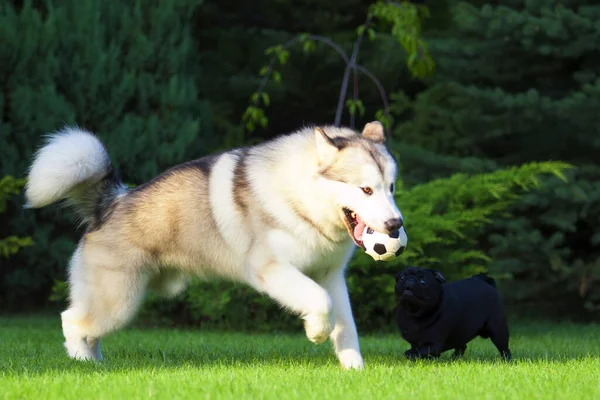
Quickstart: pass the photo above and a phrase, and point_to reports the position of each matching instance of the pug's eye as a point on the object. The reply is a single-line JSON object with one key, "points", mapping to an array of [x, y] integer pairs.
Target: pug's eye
{"points": [[423, 283]]}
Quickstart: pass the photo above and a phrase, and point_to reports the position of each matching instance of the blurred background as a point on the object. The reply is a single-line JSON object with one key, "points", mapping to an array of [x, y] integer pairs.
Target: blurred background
{"points": [[492, 109]]}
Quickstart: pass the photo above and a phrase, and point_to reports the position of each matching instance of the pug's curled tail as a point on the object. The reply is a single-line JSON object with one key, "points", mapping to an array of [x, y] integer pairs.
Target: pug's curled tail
{"points": [[487, 279]]}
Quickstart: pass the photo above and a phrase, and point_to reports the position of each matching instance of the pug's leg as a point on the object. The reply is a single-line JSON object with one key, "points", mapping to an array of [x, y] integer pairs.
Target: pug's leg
{"points": [[459, 351], [498, 329], [424, 351], [411, 353], [431, 351]]}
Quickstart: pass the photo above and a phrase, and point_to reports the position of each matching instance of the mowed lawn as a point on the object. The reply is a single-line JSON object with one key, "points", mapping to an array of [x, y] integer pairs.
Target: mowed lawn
{"points": [[551, 361]]}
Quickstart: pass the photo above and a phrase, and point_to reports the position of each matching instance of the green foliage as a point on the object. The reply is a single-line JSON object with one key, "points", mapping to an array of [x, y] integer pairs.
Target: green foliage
{"points": [[450, 210], [504, 90], [125, 70], [355, 106], [403, 20], [515, 82], [222, 304], [12, 244], [406, 20], [164, 82], [558, 251], [9, 186], [60, 291]]}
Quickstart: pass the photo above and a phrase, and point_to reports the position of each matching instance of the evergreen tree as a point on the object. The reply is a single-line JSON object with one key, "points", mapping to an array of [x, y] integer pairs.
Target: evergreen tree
{"points": [[518, 81], [125, 70], [11, 245]]}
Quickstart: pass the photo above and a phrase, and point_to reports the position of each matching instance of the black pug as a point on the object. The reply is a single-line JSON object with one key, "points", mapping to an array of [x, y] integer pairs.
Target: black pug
{"points": [[434, 316]]}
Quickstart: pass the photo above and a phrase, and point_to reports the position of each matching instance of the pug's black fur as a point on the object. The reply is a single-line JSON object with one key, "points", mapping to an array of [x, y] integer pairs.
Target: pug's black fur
{"points": [[434, 316]]}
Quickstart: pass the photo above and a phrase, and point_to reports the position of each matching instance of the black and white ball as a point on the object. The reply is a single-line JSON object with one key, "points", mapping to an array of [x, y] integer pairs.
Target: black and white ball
{"points": [[384, 247]]}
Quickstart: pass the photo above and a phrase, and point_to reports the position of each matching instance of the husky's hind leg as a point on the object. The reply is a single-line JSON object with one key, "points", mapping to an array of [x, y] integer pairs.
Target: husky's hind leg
{"points": [[105, 294]]}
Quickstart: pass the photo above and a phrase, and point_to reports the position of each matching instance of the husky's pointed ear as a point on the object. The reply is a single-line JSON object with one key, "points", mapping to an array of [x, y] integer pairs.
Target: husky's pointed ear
{"points": [[374, 132], [326, 147]]}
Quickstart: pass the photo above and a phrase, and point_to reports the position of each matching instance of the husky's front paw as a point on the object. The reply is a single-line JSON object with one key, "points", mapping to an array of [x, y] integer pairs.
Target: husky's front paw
{"points": [[318, 327], [350, 359]]}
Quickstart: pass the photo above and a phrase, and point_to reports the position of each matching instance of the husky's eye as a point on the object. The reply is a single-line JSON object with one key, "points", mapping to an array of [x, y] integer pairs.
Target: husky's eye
{"points": [[367, 190]]}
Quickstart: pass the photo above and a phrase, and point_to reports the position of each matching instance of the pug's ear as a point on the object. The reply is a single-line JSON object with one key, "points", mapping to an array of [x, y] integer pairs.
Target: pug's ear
{"points": [[438, 275]]}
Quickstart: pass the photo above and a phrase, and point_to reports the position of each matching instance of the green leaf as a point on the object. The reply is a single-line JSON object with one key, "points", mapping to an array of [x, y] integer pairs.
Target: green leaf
{"points": [[266, 99], [274, 49], [12, 244], [361, 107], [371, 34], [283, 56], [9, 186], [308, 46], [263, 121]]}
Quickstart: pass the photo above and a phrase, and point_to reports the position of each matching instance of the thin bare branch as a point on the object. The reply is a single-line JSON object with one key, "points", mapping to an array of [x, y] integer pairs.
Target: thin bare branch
{"points": [[265, 78], [354, 95], [289, 43], [384, 99], [331, 44], [351, 64]]}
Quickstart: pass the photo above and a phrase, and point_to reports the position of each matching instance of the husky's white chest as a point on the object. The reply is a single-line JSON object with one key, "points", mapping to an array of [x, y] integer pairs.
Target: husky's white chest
{"points": [[308, 253]]}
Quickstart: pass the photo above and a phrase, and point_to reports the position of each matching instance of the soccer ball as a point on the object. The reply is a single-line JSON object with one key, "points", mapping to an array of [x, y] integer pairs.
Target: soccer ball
{"points": [[384, 247]]}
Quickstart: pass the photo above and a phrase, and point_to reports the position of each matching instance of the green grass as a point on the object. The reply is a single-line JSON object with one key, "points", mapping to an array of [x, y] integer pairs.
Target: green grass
{"points": [[557, 361]]}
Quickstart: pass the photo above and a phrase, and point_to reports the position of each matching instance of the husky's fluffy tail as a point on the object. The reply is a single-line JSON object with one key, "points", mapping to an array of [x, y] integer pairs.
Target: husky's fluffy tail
{"points": [[73, 165], [487, 279]]}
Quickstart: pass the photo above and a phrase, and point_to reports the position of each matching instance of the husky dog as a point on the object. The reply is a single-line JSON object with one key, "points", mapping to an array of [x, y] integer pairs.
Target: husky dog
{"points": [[282, 217]]}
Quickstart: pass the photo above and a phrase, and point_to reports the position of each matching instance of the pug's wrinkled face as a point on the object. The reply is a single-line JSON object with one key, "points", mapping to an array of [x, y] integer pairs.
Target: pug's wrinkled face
{"points": [[418, 290]]}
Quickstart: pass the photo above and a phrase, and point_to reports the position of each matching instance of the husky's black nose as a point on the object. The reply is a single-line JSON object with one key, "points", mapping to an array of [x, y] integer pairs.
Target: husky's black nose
{"points": [[392, 225]]}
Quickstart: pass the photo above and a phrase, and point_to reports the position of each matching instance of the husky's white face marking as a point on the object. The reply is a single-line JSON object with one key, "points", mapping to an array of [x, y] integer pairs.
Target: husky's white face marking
{"points": [[361, 176]]}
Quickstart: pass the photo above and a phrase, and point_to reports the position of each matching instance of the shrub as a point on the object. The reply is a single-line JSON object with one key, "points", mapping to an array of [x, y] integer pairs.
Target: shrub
{"points": [[127, 71]]}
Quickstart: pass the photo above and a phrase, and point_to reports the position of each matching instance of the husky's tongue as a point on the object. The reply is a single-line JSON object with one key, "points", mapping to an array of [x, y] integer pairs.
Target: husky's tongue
{"points": [[359, 228]]}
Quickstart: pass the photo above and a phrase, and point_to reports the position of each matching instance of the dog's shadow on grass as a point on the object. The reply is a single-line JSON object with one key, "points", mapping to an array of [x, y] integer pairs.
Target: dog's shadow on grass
{"points": [[125, 358], [485, 359], [121, 359], [169, 349]]}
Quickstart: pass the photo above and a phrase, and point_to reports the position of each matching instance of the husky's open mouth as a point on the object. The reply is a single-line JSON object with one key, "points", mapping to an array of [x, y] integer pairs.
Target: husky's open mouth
{"points": [[355, 226]]}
